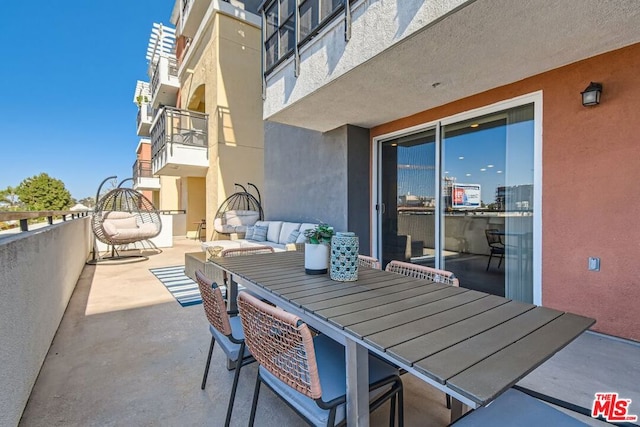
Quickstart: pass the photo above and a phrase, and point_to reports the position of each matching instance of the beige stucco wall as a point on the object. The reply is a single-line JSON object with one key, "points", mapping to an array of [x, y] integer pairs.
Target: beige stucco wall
{"points": [[39, 271], [169, 194], [226, 84]]}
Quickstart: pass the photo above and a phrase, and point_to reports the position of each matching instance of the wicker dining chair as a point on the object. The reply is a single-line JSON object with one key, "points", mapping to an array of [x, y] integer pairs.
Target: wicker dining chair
{"points": [[226, 330], [367, 261], [308, 372], [422, 272]]}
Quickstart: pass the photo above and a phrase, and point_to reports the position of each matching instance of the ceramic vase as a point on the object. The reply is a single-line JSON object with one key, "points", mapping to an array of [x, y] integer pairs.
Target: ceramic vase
{"points": [[316, 258], [345, 247]]}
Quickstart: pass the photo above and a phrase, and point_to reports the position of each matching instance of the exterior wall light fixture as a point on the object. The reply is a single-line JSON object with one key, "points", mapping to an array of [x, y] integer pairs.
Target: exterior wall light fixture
{"points": [[591, 95]]}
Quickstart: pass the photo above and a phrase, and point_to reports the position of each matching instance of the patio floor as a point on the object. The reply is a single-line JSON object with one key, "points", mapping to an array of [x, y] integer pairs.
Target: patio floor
{"points": [[126, 353]]}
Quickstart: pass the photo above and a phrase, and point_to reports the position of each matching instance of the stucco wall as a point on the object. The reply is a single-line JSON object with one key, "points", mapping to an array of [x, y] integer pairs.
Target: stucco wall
{"points": [[590, 175], [319, 177], [376, 25], [306, 175], [38, 273], [226, 84]]}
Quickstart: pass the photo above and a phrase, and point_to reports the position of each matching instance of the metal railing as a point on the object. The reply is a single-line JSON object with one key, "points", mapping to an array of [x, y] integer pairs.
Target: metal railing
{"points": [[147, 110], [172, 71], [24, 216], [175, 126], [142, 169]]}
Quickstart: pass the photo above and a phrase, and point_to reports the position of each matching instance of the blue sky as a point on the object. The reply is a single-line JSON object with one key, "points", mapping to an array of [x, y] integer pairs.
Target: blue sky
{"points": [[67, 82]]}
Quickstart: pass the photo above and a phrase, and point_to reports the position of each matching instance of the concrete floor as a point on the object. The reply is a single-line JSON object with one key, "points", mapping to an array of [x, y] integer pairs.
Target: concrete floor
{"points": [[126, 353]]}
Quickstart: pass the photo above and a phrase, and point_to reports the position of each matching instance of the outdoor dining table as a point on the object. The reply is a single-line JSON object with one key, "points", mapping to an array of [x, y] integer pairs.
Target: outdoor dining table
{"points": [[471, 345]]}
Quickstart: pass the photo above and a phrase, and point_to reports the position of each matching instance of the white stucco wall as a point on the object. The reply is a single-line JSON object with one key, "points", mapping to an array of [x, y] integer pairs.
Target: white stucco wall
{"points": [[38, 273], [376, 25]]}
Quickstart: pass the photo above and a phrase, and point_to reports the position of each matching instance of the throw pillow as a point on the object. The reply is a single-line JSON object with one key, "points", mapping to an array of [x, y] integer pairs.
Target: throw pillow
{"points": [[293, 236], [249, 233], [260, 233]]}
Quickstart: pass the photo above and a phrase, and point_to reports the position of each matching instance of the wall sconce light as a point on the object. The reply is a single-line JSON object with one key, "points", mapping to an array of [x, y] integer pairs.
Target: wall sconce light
{"points": [[591, 95]]}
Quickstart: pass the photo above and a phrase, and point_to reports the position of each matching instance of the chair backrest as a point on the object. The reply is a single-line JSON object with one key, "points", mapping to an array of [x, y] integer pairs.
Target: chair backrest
{"points": [[251, 250], [213, 303], [281, 343], [368, 261], [493, 238], [422, 272]]}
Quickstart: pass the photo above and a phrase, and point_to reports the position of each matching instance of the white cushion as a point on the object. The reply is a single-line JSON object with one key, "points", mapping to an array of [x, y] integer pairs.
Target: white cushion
{"points": [[241, 217], [273, 235], [285, 231], [305, 226]]}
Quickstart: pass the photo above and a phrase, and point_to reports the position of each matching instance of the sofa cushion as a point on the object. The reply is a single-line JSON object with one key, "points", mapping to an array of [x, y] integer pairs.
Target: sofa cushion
{"points": [[274, 231], [285, 231], [241, 217], [303, 227], [260, 233], [249, 232], [293, 236]]}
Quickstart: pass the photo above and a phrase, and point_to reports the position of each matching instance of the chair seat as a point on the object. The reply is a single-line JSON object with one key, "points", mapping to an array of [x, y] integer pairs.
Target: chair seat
{"points": [[332, 371], [515, 408], [231, 349]]}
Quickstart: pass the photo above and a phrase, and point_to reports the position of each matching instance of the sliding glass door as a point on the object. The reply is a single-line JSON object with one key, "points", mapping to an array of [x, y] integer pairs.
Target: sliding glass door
{"points": [[408, 198], [475, 215]]}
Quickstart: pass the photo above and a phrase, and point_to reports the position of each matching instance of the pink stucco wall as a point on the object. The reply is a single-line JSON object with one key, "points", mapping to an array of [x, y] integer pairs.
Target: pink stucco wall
{"points": [[591, 185]]}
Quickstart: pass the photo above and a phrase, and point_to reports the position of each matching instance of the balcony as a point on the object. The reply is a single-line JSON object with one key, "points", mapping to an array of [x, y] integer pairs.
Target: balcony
{"points": [[98, 337], [143, 178], [179, 143], [386, 60], [191, 15], [145, 117], [164, 82]]}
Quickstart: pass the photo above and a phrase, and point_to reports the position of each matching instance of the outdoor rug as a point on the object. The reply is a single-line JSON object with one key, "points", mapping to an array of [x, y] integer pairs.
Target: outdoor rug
{"points": [[183, 289]]}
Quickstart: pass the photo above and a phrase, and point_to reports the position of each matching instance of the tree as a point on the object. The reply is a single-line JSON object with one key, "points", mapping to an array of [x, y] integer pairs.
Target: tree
{"points": [[89, 202], [43, 193], [9, 198]]}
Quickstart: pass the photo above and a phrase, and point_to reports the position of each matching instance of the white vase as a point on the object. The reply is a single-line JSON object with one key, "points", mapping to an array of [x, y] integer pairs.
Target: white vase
{"points": [[316, 258]]}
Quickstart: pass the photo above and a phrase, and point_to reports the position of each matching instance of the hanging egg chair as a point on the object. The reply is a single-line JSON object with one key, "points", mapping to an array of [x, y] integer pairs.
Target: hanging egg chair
{"points": [[124, 216], [237, 212]]}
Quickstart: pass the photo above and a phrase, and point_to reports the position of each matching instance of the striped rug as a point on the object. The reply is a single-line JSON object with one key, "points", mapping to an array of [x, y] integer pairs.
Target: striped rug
{"points": [[183, 289]]}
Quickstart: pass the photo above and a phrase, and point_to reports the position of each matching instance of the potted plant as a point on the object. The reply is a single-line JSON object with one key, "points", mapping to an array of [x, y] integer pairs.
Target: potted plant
{"points": [[316, 249]]}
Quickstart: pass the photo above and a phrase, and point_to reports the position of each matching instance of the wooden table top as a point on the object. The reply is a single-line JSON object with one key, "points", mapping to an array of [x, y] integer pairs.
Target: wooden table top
{"points": [[474, 343]]}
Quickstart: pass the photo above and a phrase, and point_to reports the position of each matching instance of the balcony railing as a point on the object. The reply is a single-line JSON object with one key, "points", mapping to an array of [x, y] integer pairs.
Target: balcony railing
{"points": [[165, 73], [142, 169], [286, 27], [145, 116], [175, 126]]}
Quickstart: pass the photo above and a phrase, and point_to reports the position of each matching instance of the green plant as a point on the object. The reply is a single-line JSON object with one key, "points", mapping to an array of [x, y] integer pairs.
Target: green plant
{"points": [[321, 233], [140, 99]]}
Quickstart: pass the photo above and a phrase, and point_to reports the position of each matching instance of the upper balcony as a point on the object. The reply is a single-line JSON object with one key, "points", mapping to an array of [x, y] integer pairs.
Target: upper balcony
{"points": [[179, 143], [143, 178], [145, 117], [142, 98], [327, 65], [163, 66], [164, 82], [191, 14]]}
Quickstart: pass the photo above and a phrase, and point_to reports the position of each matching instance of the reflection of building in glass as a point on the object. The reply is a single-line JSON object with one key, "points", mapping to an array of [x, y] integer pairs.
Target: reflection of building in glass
{"points": [[515, 198], [410, 200]]}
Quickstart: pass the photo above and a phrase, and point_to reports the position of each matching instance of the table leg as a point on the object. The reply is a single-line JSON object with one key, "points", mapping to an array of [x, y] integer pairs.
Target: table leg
{"points": [[232, 306], [357, 363], [457, 409]]}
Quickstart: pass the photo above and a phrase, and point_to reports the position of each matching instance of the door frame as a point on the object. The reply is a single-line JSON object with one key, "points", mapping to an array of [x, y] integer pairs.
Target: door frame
{"points": [[534, 98]]}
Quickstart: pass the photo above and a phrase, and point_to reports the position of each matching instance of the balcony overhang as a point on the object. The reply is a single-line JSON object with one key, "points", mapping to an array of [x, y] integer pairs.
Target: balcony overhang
{"points": [[479, 45], [181, 160], [146, 183]]}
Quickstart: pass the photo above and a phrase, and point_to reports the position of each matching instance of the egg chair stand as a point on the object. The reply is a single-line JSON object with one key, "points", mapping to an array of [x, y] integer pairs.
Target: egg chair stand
{"points": [[123, 216], [237, 212]]}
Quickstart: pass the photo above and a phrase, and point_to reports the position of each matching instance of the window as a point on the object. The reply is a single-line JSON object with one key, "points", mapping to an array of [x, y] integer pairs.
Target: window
{"points": [[280, 25]]}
